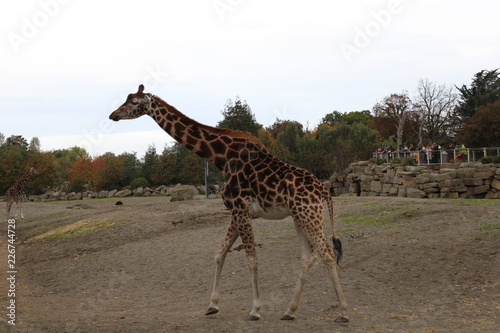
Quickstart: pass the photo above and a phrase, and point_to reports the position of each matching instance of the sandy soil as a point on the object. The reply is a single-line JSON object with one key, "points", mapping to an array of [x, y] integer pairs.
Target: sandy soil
{"points": [[147, 266]]}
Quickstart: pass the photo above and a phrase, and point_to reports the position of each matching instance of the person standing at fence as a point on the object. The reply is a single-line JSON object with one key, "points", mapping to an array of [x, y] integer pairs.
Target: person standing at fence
{"points": [[462, 151], [435, 153]]}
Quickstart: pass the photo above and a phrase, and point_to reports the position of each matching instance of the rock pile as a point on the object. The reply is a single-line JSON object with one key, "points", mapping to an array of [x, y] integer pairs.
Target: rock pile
{"points": [[453, 180], [185, 192]]}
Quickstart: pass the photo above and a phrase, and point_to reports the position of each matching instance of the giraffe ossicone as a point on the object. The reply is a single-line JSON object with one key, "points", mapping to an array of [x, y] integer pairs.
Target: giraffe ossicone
{"points": [[256, 185]]}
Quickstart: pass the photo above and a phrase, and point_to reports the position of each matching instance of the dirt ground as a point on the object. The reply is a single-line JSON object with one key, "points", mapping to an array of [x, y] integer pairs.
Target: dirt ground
{"points": [[147, 266]]}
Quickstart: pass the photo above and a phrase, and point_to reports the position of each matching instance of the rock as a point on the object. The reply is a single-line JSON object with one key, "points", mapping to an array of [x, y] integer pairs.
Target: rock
{"points": [[415, 193], [123, 193], [183, 192], [492, 195], [112, 193], [479, 189]]}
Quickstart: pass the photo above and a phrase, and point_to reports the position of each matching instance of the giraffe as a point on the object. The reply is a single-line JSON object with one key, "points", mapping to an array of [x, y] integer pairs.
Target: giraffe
{"points": [[256, 185], [16, 193]]}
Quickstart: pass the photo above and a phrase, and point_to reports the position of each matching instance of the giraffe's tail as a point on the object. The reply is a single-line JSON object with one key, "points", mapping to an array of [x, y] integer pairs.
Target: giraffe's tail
{"points": [[337, 243]]}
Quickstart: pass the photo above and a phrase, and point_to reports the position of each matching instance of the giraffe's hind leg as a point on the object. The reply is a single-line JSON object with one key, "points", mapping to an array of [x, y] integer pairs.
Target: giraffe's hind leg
{"points": [[307, 260], [319, 245], [329, 258]]}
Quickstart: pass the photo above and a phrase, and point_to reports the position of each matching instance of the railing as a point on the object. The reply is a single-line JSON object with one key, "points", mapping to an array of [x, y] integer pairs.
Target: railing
{"points": [[440, 156]]}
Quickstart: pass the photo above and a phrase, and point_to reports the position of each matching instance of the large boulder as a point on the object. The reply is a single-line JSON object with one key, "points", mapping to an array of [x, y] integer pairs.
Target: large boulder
{"points": [[183, 192]]}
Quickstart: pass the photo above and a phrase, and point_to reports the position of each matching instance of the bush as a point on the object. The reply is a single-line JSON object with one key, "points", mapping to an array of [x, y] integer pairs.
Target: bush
{"points": [[487, 160], [139, 182], [377, 160], [396, 161], [408, 161]]}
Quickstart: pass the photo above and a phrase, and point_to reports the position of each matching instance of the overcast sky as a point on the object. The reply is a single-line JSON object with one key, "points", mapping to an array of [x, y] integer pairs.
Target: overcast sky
{"points": [[67, 64]]}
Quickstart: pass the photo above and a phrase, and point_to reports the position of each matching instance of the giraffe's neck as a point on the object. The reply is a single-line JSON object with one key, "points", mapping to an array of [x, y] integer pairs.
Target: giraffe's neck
{"points": [[21, 182], [213, 144]]}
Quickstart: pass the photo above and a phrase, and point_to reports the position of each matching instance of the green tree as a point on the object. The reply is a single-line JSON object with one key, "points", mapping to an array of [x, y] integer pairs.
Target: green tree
{"points": [[484, 89], [13, 161], [483, 128], [149, 163], [17, 140], [164, 168], [132, 167], [349, 118], [45, 164], [286, 144], [189, 168], [239, 116], [279, 126]]}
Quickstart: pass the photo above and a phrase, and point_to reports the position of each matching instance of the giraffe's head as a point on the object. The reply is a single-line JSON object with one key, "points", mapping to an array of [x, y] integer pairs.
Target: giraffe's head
{"points": [[136, 105], [33, 171]]}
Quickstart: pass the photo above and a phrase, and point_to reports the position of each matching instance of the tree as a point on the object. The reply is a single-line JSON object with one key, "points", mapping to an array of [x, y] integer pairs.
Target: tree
{"points": [[34, 145], [45, 164], [484, 89], [286, 142], [164, 168], [149, 164], [350, 118], [132, 167], [279, 126], [17, 140], [483, 128], [239, 116], [435, 105], [80, 173], [396, 107], [65, 158], [189, 168]]}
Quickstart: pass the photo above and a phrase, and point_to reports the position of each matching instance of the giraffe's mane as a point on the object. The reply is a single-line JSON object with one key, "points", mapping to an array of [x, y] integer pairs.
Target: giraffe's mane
{"points": [[223, 131]]}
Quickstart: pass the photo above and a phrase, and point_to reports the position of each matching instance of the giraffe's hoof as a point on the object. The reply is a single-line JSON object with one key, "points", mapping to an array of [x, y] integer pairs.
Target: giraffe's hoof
{"points": [[288, 317], [342, 319], [252, 317], [211, 311]]}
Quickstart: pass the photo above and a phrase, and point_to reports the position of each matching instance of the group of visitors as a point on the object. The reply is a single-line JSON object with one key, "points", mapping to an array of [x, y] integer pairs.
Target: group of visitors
{"points": [[432, 153]]}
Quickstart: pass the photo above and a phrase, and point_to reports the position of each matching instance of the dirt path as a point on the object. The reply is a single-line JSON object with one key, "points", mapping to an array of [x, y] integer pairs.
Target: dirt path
{"points": [[147, 266]]}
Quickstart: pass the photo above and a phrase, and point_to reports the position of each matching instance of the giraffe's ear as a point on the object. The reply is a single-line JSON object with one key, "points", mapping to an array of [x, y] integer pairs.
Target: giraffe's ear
{"points": [[141, 89]]}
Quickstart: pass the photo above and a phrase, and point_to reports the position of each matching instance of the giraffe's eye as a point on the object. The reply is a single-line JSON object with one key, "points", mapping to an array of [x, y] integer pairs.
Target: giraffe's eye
{"points": [[134, 102]]}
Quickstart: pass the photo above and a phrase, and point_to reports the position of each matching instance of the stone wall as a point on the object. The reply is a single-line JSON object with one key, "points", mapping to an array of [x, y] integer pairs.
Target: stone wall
{"points": [[452, 180], [138, 192]]}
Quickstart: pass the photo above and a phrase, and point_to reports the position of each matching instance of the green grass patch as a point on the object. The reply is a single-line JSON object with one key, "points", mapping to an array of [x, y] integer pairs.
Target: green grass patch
{"points": [[472, 201], [76, 229], [50, 216], [381, 216], [489, 227]]}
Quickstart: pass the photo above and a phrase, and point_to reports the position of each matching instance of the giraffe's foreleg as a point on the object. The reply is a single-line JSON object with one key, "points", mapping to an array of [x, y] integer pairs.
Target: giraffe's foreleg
{"points": [[9, 206], [308, 259], [220, 257]]}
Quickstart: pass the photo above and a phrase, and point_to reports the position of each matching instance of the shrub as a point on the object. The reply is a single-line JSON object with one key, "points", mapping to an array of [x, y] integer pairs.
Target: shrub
{"points": [[139, 182], [487, 160], [408, 161], [396, 161]]}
